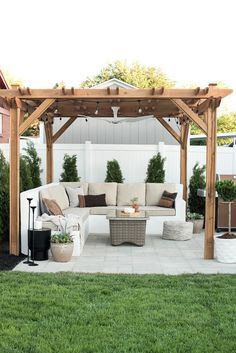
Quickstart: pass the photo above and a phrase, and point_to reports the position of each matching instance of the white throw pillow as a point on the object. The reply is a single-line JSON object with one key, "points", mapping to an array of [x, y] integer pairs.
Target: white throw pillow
{"points": [[73, 194]]}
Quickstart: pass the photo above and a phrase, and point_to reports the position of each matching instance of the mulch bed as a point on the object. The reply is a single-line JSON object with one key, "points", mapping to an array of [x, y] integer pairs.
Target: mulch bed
{"points": [[8, 262]]}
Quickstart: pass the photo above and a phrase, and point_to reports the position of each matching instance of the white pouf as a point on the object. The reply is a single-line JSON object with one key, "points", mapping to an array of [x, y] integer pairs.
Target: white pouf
{"points": [[177, 230]]}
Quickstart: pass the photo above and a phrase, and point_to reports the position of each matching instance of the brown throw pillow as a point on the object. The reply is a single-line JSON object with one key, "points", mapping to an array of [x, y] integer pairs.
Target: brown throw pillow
{"points": [[52, 207], [81, 201], [168, 199], [95, 200]]}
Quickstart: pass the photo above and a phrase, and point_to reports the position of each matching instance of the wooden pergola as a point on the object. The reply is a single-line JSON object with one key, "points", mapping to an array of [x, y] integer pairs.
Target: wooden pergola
{"points": [[187, 105]]}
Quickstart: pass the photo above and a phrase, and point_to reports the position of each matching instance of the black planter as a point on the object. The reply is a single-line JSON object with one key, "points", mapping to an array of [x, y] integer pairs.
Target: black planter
{"points": [[41, 243]]}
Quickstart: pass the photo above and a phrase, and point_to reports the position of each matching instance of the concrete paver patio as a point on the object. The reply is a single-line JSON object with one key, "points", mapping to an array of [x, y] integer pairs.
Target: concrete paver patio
{"points": [[157, 256]]}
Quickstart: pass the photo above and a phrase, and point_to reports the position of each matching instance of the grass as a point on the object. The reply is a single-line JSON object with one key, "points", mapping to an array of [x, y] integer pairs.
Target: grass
{"points": [[85, 313]]}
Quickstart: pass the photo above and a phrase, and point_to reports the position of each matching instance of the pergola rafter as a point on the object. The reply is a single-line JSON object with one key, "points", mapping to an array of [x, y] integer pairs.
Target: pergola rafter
{"points": [[196, 105]]}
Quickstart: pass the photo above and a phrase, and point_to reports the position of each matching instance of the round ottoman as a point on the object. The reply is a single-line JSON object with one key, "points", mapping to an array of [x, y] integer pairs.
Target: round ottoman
{"points": [[177, 230]]}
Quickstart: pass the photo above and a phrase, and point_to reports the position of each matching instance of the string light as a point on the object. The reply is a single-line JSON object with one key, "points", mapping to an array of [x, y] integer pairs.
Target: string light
{"points": [[140, 109], [96, 111]]}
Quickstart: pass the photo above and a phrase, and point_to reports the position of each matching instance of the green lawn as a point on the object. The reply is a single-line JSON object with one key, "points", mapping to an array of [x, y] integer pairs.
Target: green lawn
{"points": [[64, 313]]}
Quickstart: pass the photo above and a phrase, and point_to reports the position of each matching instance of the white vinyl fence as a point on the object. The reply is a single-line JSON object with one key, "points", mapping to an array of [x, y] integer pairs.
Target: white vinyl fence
{"points": [[133, 159]]}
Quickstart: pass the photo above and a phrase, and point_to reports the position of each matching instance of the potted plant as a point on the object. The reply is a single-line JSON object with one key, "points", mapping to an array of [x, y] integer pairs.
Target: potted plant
{"points": [[135, 204], [197, 219], [225, 244], [62, 247]]}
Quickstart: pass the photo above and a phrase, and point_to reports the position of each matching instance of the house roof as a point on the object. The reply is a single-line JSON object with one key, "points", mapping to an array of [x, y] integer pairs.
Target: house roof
{"points": [[114, 82], [3, 82]]}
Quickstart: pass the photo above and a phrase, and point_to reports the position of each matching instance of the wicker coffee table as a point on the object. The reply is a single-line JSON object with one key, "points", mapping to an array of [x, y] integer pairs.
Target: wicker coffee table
{"points": [[125, 228]]}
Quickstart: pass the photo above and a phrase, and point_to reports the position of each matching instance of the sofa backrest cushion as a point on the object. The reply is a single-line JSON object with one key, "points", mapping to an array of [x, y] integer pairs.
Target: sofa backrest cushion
{"points": [[154, 192], [110, 189], [57, 193], [128, 191], [76, 184]]}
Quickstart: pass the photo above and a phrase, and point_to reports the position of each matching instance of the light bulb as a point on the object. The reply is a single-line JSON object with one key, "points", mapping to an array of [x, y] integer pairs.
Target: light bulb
{"points": [[96, 112], [140, 110]]}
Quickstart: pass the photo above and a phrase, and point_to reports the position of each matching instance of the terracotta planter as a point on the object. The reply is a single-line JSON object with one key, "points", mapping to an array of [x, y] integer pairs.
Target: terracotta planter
{"points": [[197, 226], [225, 250], [62, 252]]}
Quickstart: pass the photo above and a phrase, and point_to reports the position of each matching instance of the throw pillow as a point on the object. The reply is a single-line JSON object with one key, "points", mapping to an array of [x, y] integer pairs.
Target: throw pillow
{"points": [[93, 200], [73, 194], [81, 201], [168, 199], [52, 207]]}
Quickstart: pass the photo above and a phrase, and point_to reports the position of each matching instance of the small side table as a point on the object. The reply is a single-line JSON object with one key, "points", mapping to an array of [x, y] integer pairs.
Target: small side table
{"points": [[41, 243]]}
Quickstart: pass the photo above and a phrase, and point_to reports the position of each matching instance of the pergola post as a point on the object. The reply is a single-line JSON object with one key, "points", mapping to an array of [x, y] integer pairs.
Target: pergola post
{"points": [[210, 182], [183, 158], [49, 152], [15, 114]]}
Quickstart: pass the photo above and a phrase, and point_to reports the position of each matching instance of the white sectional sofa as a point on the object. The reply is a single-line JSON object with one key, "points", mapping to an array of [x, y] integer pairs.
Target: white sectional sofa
{"points": [[93, 220]]}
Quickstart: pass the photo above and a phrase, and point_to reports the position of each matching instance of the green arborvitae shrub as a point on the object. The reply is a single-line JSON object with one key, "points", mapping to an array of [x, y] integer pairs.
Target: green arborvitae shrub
{"points": [[34, 162], [155, 170], [69, 169], [4, 197], [26, 182], [114, 173], [196, 204]]}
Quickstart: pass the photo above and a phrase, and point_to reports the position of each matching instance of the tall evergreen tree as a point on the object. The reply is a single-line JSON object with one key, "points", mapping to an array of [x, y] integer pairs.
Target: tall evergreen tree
{"points": [[197, 181], [69, 167], [114, 173], [155, 170], [26, 182], [4, 197], [34, 162]]}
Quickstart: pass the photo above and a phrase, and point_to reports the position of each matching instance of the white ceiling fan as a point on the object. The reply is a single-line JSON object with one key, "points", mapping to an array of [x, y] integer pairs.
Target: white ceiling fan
{"points": [[115, 119]]}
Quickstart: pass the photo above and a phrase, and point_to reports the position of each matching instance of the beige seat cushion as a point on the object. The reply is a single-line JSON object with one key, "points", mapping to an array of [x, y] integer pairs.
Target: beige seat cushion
{"points": [[110, 189], [57, 193], [127, 191], [158, 211], [83, 213], [154, 192]]}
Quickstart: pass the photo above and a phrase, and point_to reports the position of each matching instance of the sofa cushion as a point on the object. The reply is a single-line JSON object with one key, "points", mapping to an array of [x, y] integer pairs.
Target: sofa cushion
{"points": [[57, 193], [158, 211], [101, 210], [83, 213], [76, 184], [168, 199], [73, 194], [95, 200], [127, 191], [52, 207], [110, 189], [154, 192]]}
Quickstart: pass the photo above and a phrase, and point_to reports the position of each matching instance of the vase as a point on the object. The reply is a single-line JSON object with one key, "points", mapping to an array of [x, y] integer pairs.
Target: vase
{"points": [[62, 252]]}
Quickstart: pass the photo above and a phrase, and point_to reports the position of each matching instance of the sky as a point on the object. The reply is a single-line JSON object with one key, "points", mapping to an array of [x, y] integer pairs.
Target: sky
{"points": [[48, 41]]}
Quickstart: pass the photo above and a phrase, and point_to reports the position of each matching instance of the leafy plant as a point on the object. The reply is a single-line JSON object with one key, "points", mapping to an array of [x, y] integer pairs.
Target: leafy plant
{"points": [[226, 190], [4, 196], [34, 163], [155, 170], [114, 173], [61, 238], [134, 200], [69, 167], [194, 216], [196, 204]]}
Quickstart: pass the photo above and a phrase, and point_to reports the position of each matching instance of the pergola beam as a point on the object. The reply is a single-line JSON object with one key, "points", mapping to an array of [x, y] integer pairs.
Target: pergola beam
{"points": [[63, 129], [14, 181], [49, 151], [175, 93], [190, 114], [210, 182], [36, 115], [184, 157], [169, 129]]}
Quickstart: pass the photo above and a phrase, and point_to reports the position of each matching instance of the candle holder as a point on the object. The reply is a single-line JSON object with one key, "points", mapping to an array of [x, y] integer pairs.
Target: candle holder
{"points": [[28, 261], [32, 263]]}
